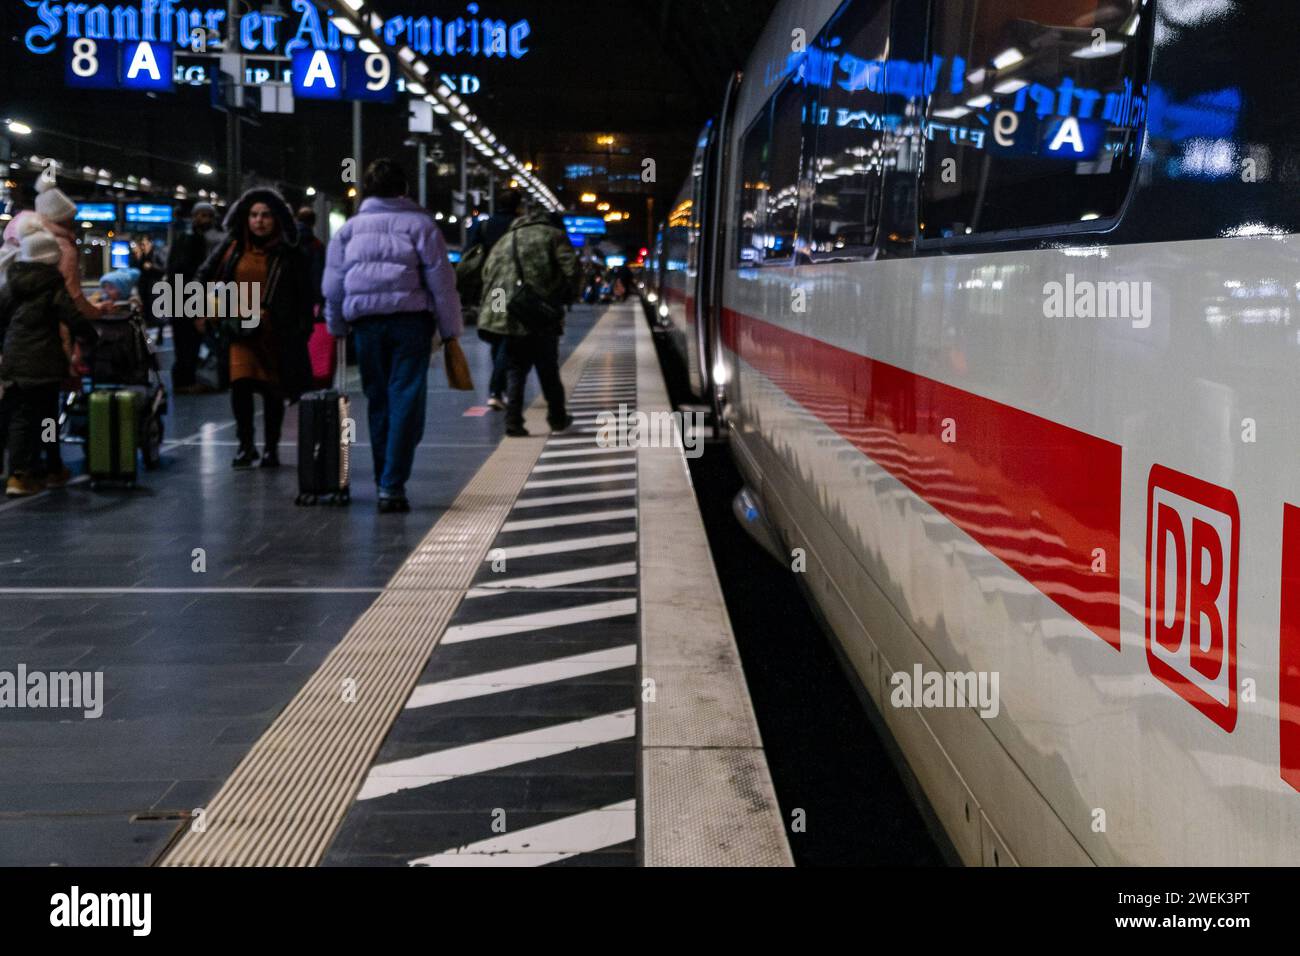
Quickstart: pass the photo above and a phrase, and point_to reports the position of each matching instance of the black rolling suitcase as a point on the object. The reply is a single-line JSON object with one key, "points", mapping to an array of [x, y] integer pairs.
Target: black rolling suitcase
{"points": [[323, 466]]}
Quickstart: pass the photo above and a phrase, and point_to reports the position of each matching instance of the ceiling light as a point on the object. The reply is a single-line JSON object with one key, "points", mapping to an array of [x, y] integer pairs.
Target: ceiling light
{"points": [[1008, 58]]}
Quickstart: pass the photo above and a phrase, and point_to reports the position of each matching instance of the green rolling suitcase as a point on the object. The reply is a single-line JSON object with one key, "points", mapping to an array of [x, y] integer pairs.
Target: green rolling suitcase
{"points": [[110, 454]]}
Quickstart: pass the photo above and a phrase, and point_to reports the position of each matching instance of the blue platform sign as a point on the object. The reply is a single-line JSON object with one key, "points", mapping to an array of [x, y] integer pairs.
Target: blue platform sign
{"points": [[369, 77], [317, 75], [91, 64], [148, 66], [585, 225], [149, 213], [96, 212]]}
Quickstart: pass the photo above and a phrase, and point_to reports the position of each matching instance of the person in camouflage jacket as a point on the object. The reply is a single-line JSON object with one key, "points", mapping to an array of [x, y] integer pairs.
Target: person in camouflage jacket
{"points": [[550, 267]]}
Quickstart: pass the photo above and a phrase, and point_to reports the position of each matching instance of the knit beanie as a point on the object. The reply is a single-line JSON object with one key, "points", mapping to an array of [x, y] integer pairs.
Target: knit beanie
{"points": [[52, 203]]}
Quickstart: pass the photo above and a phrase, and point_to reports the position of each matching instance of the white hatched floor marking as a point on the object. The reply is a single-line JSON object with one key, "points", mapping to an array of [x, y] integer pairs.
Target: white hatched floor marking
{"points": [[554, 579], [581, 480], [547, 842], [398, 775], [585, 451], [574, 441], [574, 499], [539, 621], [562, 547], [582, 465], [591, 517], [529, 675]]}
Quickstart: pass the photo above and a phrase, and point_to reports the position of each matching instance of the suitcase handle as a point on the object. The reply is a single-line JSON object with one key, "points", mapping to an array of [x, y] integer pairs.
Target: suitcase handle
{"points": [[340, 363]]}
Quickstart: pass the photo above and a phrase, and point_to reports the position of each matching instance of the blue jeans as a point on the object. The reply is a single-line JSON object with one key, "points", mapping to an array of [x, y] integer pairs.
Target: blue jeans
{"points": [[393, 352]]}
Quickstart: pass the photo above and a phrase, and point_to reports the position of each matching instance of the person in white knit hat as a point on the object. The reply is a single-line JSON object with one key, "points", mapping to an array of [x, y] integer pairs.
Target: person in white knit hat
{"points": [[34, 306], [58, 213]]}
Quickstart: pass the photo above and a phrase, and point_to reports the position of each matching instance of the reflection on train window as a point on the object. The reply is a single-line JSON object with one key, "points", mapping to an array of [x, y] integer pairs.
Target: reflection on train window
{"points": [[1036, 113], [851, 130], [753, 190], [784, 172]]}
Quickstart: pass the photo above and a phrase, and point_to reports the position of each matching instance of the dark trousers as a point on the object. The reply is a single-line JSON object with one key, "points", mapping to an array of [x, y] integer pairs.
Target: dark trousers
{"points": [[393, 352], [523, 354], [185, 344], [29, 411], [241, 402], [500, 367]]}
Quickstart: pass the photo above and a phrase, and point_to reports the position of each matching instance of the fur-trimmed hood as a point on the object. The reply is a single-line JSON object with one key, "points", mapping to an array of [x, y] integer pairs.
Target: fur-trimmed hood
{"points": [[236, 222]]}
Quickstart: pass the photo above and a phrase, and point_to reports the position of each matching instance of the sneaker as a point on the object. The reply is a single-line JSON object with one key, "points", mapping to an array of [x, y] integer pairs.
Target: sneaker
{"points": [[496, 403], [245, 458], [271, 459], [22, 486], [59, 479], [394, 505], [517, 431], [565, 425]]}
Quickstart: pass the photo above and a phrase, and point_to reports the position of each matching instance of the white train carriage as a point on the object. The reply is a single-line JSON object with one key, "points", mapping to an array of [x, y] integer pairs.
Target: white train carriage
{"points": [[998, 299]]}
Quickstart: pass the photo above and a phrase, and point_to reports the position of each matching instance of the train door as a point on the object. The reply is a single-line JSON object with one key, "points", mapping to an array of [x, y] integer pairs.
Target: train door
{"points": [[716, 376]]}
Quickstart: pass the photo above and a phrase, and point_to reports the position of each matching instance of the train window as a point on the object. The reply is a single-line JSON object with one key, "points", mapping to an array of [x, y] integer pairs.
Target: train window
{"points": [[784, 173], [1036, 114], [753, 190], [849, 117]]}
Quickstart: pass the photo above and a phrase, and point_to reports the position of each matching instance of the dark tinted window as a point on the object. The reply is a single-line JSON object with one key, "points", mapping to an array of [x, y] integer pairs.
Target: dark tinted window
{"points": [[784, 173], [847, 110], [753, 190], [1036, 113]]}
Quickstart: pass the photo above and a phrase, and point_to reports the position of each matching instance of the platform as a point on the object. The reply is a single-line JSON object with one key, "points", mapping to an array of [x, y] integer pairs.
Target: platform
{"points": [[510, 674]]}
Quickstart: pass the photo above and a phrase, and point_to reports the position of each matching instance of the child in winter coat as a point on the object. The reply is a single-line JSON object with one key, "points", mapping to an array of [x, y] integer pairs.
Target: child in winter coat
{"points": [[34, 303]]}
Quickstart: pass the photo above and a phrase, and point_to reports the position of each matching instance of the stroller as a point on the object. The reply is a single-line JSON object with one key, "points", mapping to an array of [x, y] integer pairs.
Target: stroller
{"points": [[123, 358]]}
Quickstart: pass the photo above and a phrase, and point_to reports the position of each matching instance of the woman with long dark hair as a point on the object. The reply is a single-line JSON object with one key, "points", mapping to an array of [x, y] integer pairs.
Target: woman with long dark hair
{"points": [[269, 358]]}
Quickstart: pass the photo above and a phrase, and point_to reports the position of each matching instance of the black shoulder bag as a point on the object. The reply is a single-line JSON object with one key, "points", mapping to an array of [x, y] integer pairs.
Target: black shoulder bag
{"points": [[536, 313]]}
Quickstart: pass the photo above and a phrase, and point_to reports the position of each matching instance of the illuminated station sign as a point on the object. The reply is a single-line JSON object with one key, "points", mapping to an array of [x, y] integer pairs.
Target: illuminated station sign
{"points": [[135, 46]]}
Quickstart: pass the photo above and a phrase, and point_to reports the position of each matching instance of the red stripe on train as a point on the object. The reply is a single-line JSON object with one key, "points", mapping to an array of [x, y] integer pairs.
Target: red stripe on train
{"points": [[1289, 649], [1011, 480]]}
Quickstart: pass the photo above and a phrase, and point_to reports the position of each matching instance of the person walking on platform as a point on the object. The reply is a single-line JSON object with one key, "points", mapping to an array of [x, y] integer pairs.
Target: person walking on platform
{"points": [[34, 306], [270, 359], [469, 276], [528, 280], [188, 253], [389, 280]]}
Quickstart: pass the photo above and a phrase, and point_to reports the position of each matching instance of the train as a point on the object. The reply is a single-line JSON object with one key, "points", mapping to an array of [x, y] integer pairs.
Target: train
{"points": [[997, 303]]}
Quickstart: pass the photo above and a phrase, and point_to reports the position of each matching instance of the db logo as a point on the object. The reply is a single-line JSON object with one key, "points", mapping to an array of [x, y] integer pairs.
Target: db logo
{"points": [[1192, 536]]}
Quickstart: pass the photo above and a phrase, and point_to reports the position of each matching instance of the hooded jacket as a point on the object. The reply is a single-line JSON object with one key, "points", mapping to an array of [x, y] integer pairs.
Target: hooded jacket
{"points": [[286, 297], [549, 264], [69, 267], [33, 304], [389, 258]]}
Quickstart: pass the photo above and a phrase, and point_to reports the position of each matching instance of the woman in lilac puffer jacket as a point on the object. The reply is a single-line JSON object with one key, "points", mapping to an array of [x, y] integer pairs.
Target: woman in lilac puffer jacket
{"points": [[388, 281]]}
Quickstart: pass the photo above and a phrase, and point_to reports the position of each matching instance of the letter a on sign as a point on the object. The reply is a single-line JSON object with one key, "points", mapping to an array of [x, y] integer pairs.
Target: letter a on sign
{"points": [[145, 61], [319, 70], [148, 66], [317, 74]]}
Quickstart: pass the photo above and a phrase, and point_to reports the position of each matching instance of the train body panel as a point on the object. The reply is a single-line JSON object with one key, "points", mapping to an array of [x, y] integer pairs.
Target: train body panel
{"points": [[1057, 459]]}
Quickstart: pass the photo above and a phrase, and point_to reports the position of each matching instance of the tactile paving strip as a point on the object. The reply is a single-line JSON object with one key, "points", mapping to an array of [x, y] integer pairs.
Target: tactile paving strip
{"points": [[285, 800]]}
